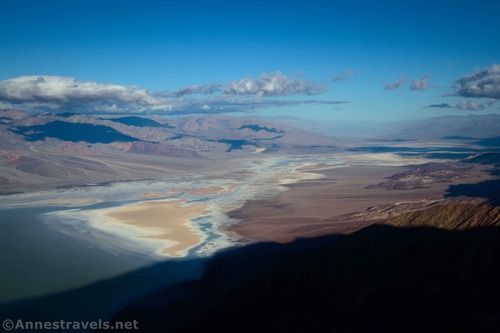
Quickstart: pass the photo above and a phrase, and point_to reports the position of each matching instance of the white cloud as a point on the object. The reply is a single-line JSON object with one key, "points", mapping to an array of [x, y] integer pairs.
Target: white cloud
{"points": [[67, 89], [273, 84], [420, 83], [45, 92], [483, 83], [470, 106], [49, 93]]}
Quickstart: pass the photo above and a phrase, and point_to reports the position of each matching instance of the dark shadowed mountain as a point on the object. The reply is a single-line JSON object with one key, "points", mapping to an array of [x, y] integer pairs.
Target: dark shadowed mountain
{"points": [[429, 271]]}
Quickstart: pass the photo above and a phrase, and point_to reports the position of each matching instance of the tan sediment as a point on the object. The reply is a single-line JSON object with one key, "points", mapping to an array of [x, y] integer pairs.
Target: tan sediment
{"points": [[66, 201], [334, 204], [163, 220]]}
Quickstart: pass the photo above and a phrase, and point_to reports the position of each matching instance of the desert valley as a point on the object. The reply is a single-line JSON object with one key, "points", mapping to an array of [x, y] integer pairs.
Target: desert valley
{"points": [[102, 199], [249, 166]]}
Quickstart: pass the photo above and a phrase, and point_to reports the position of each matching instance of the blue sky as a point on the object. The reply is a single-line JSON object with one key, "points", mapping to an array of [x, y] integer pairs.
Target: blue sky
{"points": [[324, 60]]}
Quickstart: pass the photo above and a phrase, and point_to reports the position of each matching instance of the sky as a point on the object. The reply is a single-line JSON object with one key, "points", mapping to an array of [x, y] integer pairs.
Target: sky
{"points": [[321, 60]]}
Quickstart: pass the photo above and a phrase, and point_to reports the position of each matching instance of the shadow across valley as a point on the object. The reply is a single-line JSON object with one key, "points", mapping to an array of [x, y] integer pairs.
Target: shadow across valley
{"points": [[174, 306], [100, 299], [382, 279], [166, 282], [489, 190], [379, 279]]}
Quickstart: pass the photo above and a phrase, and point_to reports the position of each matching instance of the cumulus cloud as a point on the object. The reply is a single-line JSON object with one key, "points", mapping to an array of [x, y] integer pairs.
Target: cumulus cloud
{"points": [[470, 106], [483, 83], [344, 75], [395, 85], [273, 84], [46, 93], [205, 89], [420, 84], [67, 89]]}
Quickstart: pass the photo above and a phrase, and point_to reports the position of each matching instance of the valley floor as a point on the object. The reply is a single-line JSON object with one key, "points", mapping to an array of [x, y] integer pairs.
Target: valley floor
{"points": [[250, 198]]}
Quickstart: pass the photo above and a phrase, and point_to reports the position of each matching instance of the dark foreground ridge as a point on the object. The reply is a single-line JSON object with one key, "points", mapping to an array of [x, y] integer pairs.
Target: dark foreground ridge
{"points": [[430, 271]]}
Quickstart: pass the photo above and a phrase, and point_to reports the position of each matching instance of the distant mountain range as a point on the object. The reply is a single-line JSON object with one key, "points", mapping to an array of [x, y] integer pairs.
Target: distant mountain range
{"points": [[55, 148], [212, 132], [69, 147], [452, 127], [472, 126]]}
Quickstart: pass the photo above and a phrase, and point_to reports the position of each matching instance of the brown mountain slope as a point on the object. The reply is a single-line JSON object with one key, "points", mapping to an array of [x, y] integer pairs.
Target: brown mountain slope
{"points": [[450, 217]]}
